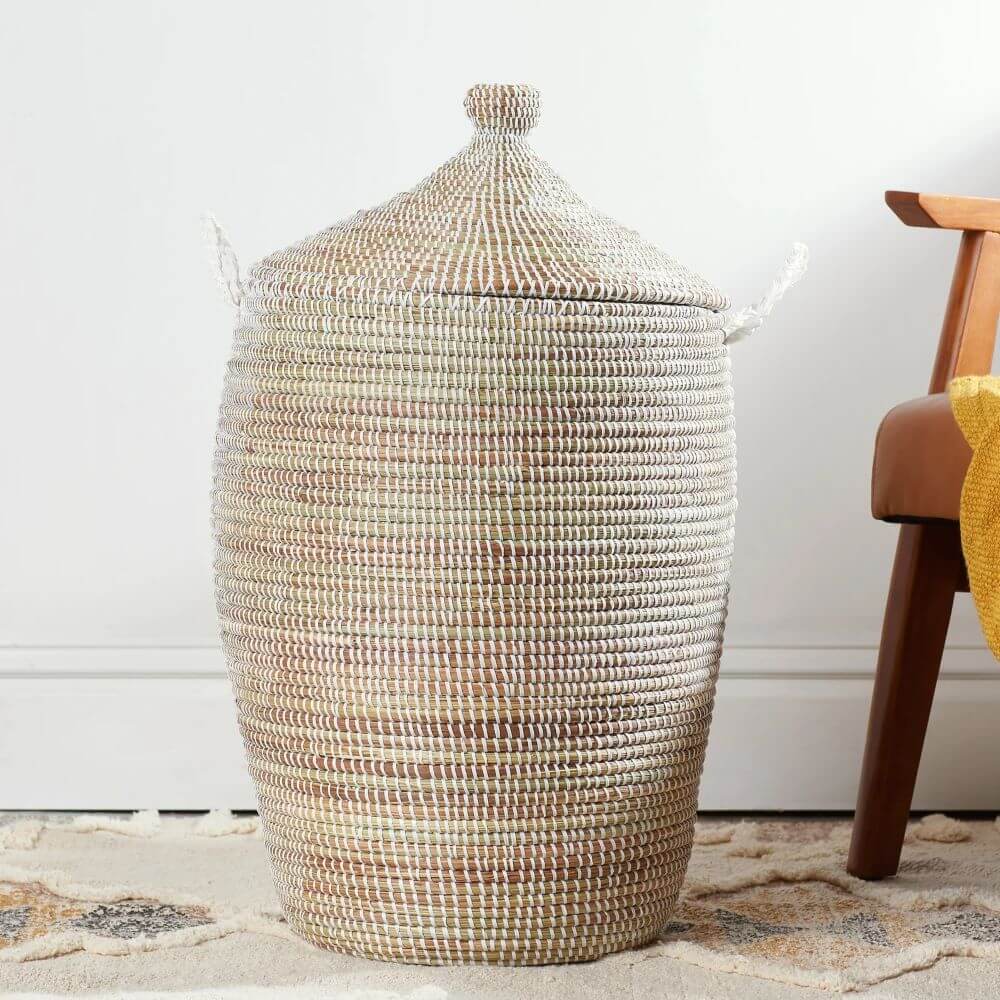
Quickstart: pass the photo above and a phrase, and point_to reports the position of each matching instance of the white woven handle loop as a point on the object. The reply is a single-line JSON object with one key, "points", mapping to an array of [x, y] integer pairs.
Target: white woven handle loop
{"points": [[741, 324], [223, 260]]}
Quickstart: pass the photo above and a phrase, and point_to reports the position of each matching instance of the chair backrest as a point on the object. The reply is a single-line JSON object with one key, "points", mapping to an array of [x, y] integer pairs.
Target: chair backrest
{"points": [[968, 334]]}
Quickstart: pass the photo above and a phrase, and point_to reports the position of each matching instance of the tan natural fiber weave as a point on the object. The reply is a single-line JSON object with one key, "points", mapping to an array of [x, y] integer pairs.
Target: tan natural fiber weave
{"points": [[475, 486]]}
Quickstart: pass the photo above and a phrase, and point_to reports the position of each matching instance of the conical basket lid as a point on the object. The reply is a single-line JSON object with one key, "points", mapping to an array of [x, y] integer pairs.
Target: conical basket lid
{"points": [[494, 220]]}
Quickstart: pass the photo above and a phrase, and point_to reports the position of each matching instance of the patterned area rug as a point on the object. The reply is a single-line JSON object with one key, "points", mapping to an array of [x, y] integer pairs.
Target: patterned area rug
{"points": [[91, 903], [30, 911], [774, 900]]}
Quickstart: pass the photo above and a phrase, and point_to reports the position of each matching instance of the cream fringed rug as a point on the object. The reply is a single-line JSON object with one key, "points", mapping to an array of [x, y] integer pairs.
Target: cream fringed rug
{"points": [[172, 906]]}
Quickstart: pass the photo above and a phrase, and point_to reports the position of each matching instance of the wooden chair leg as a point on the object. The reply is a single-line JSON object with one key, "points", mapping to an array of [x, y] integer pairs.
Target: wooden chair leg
{"points": [[925, 576]]}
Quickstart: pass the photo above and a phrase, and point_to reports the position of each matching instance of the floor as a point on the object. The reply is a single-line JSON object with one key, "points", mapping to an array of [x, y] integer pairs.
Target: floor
{"points": [[222, 861]]}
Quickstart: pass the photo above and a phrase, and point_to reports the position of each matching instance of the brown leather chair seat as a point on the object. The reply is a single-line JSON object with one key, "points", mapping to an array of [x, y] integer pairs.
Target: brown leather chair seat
{"points": [[920, 462]]}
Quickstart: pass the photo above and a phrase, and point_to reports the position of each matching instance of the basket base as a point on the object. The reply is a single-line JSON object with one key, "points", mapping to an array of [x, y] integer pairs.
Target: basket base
{"points": [[472, 952]]}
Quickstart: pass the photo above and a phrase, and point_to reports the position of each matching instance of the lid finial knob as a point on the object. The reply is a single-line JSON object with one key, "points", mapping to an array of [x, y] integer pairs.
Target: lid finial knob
{"points": [[503, 107]]}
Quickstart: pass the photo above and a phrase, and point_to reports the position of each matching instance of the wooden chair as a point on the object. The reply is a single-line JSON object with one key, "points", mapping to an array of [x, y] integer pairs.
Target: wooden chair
{"points": [[920, 462]]}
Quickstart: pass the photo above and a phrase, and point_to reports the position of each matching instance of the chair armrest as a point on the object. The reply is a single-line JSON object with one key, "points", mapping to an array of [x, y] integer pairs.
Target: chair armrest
{"points": [[945, 211]]}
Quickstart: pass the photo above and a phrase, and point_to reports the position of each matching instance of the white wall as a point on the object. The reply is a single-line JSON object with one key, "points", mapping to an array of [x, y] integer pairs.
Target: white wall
{"points": [[721, 130]]}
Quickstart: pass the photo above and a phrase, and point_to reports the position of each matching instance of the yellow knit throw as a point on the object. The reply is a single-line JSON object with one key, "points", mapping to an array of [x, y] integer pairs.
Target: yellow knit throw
{"points": [[975, 401]]}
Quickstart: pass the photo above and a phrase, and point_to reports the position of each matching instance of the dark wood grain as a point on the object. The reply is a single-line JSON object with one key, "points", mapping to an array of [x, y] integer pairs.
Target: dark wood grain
{"points": [[945, 211], [925, 576]]}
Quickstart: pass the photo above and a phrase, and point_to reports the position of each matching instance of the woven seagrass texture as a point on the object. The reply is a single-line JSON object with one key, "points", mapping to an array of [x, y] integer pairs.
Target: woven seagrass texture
{"points": [[473, 545], [494, 220]]}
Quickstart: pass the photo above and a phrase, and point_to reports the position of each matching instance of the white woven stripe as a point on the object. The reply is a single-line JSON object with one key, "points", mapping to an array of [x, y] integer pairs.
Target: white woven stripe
{"points": [[472, 564]]}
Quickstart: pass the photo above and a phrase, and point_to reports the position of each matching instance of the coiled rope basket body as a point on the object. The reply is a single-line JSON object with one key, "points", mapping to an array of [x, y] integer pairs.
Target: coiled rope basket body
{"points": [[475, 487]]}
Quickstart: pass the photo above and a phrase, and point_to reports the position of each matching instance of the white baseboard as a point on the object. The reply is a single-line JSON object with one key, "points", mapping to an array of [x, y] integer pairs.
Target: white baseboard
{"points": [[130, 728]]}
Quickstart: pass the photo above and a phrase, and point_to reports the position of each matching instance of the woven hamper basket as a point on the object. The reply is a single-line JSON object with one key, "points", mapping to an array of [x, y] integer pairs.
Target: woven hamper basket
{"points": [[474, 498]]}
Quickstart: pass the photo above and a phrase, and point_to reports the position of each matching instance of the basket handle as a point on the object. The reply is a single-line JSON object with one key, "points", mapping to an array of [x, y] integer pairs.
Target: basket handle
{"points": [[222, 259], [751, 318]]}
